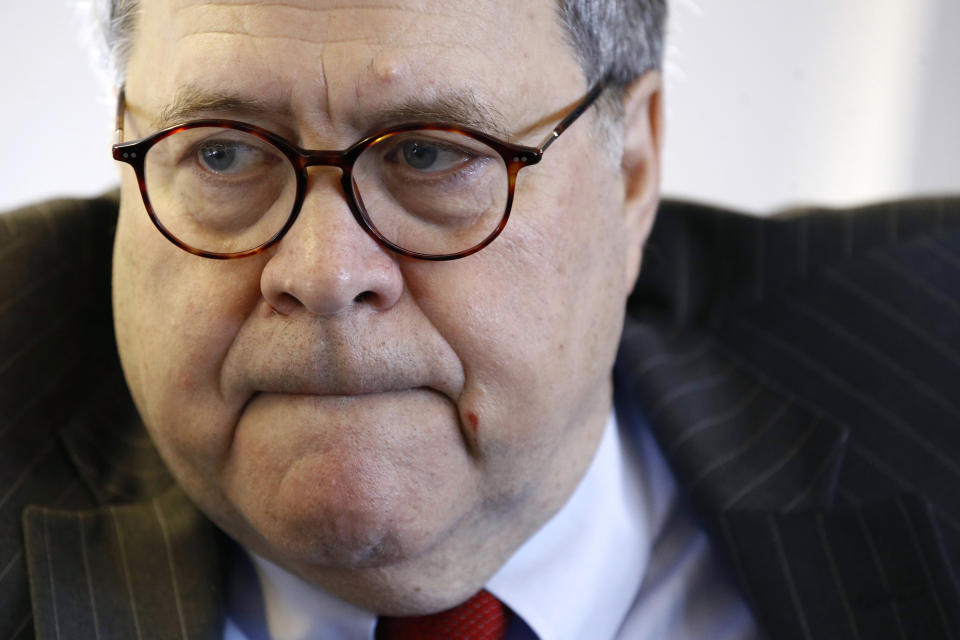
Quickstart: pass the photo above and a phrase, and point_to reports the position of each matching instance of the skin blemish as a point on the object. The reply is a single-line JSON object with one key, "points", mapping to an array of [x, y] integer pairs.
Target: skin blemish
{"points": [[387, 68], [474, 422]]}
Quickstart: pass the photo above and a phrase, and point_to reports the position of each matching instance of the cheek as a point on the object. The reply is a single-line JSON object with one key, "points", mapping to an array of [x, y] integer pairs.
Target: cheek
{"points": [[567, 253], [535, 318], [176, 316]]}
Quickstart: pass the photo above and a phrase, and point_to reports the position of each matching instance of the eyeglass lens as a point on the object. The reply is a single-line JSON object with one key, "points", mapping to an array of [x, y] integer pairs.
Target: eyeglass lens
{"points": [[222, 190]]}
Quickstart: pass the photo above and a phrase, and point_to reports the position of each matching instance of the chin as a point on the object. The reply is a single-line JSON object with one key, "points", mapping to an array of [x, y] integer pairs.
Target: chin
{"points": [[345, 541], [351, 527], [347, 483]]}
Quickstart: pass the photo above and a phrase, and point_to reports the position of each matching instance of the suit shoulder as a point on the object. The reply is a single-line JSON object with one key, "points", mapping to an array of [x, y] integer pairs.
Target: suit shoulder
{"points": [[55, 317], [702, 259]]}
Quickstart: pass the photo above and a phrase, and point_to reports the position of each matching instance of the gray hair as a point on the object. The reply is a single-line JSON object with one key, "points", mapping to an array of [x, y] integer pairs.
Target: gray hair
{"points": [[619, 39], [113, 27]]}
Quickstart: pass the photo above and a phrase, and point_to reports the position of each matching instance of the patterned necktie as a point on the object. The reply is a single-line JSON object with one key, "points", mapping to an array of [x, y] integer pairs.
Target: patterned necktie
{"points": [[482, 617]]}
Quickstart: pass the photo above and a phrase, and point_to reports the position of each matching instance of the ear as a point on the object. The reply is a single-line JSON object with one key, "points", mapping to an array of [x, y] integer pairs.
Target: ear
{"points": [[640, 163]]}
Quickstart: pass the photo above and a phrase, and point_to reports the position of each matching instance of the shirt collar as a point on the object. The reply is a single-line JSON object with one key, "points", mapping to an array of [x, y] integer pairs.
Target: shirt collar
{"points": [[578, 576], [296, 610]]}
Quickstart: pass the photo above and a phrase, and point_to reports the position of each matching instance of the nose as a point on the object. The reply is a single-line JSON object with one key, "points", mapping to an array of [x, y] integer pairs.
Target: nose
{"points": [[326, 263]]}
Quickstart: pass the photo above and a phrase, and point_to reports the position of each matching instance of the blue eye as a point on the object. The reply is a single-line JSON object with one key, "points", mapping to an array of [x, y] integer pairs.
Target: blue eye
{"points": [[422, 155], [233, 158], [219, 157], [419, 156]]}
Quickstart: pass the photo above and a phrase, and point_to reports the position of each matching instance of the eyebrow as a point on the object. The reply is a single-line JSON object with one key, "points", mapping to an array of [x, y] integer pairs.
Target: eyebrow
{"points": [[191, 102], [455, 108]]}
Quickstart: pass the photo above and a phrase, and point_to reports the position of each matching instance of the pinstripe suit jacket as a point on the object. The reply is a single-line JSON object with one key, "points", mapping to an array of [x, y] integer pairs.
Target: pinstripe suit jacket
{"points": [[801, 375]]}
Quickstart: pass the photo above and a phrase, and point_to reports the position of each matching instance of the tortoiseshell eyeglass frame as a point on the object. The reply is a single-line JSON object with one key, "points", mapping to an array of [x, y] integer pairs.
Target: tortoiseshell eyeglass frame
{"points": [[515, 157]]}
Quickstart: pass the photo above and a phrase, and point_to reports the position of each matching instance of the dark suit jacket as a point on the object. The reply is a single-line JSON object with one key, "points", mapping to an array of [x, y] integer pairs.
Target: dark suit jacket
{"points": [[802, 376]]}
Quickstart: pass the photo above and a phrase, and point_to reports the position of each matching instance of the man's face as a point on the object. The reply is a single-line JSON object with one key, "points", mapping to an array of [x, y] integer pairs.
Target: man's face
{"points": [[390, 429]]}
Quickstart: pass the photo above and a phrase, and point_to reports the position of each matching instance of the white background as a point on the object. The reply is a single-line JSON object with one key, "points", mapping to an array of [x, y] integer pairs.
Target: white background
{"points": [[769, 102]]}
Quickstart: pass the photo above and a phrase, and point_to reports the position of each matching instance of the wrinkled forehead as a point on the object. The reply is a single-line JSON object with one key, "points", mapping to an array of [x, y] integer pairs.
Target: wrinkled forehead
{"points": [[328, 58]]}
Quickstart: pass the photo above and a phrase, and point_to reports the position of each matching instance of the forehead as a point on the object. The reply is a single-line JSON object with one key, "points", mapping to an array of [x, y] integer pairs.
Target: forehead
{"points": [[324, 58]]}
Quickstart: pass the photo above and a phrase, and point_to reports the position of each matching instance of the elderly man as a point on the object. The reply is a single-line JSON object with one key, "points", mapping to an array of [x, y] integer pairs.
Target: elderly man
{"points": [[369, 278]]}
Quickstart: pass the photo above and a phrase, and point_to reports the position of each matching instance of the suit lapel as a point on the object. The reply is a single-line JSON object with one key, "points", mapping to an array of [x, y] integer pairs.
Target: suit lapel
{"points": [[145, 563], [793, 468], [761, 469], [733, 441], [141, 570]]}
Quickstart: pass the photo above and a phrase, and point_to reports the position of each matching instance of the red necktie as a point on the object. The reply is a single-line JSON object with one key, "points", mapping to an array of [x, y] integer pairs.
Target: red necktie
{"points": [[482, 617]]}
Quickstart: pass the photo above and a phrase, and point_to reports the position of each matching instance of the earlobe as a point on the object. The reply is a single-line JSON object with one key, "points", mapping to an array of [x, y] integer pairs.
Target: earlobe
{"points": [[640, 163]]}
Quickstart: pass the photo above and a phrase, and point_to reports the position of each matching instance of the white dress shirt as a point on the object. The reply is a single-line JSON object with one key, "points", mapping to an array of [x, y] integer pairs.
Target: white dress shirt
{"points": [[623, 559]]}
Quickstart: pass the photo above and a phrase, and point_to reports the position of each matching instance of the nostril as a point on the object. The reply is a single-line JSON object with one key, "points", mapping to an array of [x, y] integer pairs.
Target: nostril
{"points": [[282, 304], [364, 296]]}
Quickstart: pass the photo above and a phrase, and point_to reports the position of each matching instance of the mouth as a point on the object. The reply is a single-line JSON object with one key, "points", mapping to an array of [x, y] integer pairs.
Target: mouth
{"points": [[346, 386], [342, 392], [332, 377], [351, 392]]}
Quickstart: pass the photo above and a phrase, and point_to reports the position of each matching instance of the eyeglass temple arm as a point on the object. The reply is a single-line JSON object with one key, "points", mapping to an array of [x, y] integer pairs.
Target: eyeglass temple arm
{"points": [[585, 104], [121, 108]]}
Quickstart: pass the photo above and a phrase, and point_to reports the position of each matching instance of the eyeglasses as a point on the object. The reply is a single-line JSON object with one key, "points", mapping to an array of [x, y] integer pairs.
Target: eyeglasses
{"points": [[225, 189]]}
